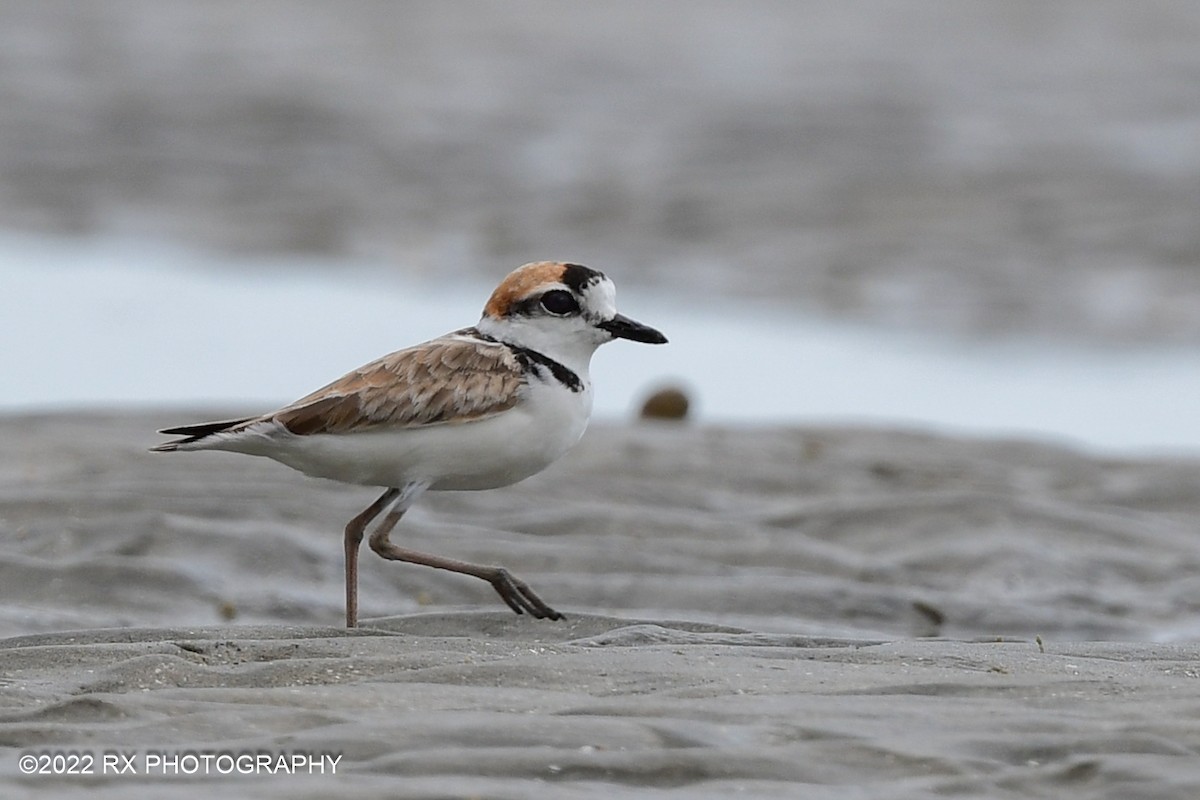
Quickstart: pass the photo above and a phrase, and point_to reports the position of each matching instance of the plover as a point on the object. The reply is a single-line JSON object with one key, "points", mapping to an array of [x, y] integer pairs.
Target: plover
{"points": [[478, 408]]}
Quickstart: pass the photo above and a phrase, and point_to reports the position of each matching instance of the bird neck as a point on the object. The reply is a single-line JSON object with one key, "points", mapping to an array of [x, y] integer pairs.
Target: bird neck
{"points": [[572, 352]]}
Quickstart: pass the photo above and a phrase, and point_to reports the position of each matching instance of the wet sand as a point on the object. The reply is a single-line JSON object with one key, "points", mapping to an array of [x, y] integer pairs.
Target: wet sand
{"points": [[819, 613], [797, 612]]}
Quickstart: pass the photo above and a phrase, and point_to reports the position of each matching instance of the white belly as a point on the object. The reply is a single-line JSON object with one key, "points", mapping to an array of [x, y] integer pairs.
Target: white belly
{"points": [[485, 454]]}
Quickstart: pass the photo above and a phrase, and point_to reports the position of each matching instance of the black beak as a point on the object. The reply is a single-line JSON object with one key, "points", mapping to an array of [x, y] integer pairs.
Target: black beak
{"points": [[622, 327]]}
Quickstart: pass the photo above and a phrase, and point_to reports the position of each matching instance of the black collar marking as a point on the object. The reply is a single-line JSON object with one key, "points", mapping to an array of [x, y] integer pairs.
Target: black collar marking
{"points": [[562, 374], [530, 359]]}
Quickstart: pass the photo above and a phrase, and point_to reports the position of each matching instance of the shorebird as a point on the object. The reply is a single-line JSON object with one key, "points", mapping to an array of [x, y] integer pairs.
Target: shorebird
{"points": [[478, 408]]}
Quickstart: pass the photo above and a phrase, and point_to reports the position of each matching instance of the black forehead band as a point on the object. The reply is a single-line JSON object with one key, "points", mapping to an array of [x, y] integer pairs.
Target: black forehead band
{"points": [[577, 277]]}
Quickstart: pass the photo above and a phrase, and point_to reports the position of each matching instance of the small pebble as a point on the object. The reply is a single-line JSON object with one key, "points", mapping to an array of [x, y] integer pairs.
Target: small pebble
{"points": [[670, 403]]}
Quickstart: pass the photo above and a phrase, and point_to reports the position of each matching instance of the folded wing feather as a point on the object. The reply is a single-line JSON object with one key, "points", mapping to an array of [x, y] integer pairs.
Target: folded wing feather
{"points": [[446, 381]]}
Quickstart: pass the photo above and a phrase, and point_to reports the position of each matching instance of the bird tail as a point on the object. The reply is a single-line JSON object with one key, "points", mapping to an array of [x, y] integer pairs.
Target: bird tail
{"points": [[192, 434]]}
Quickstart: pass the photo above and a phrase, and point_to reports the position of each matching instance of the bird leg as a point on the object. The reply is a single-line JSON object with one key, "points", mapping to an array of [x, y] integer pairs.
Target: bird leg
{"points": [[512, 590], [354, 535]]}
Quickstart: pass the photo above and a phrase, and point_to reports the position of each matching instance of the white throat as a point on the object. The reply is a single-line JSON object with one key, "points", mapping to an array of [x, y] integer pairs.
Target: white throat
{"points": [[571, 348]]}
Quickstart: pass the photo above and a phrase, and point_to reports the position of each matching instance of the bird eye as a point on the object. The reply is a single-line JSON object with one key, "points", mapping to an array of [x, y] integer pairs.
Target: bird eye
{"points": [[559, 302]]}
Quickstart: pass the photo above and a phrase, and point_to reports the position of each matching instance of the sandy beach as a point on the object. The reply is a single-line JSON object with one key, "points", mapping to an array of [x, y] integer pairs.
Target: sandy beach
{"points": [[772, 612], [767, 609]]}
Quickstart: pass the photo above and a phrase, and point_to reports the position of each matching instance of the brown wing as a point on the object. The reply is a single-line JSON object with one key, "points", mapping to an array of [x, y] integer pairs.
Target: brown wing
{"points": [[445, 381]]}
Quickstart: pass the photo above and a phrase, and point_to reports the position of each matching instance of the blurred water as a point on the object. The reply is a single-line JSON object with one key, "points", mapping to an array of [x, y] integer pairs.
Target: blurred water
{"points": [[112, 322], [984, 168], [983, 217]]}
